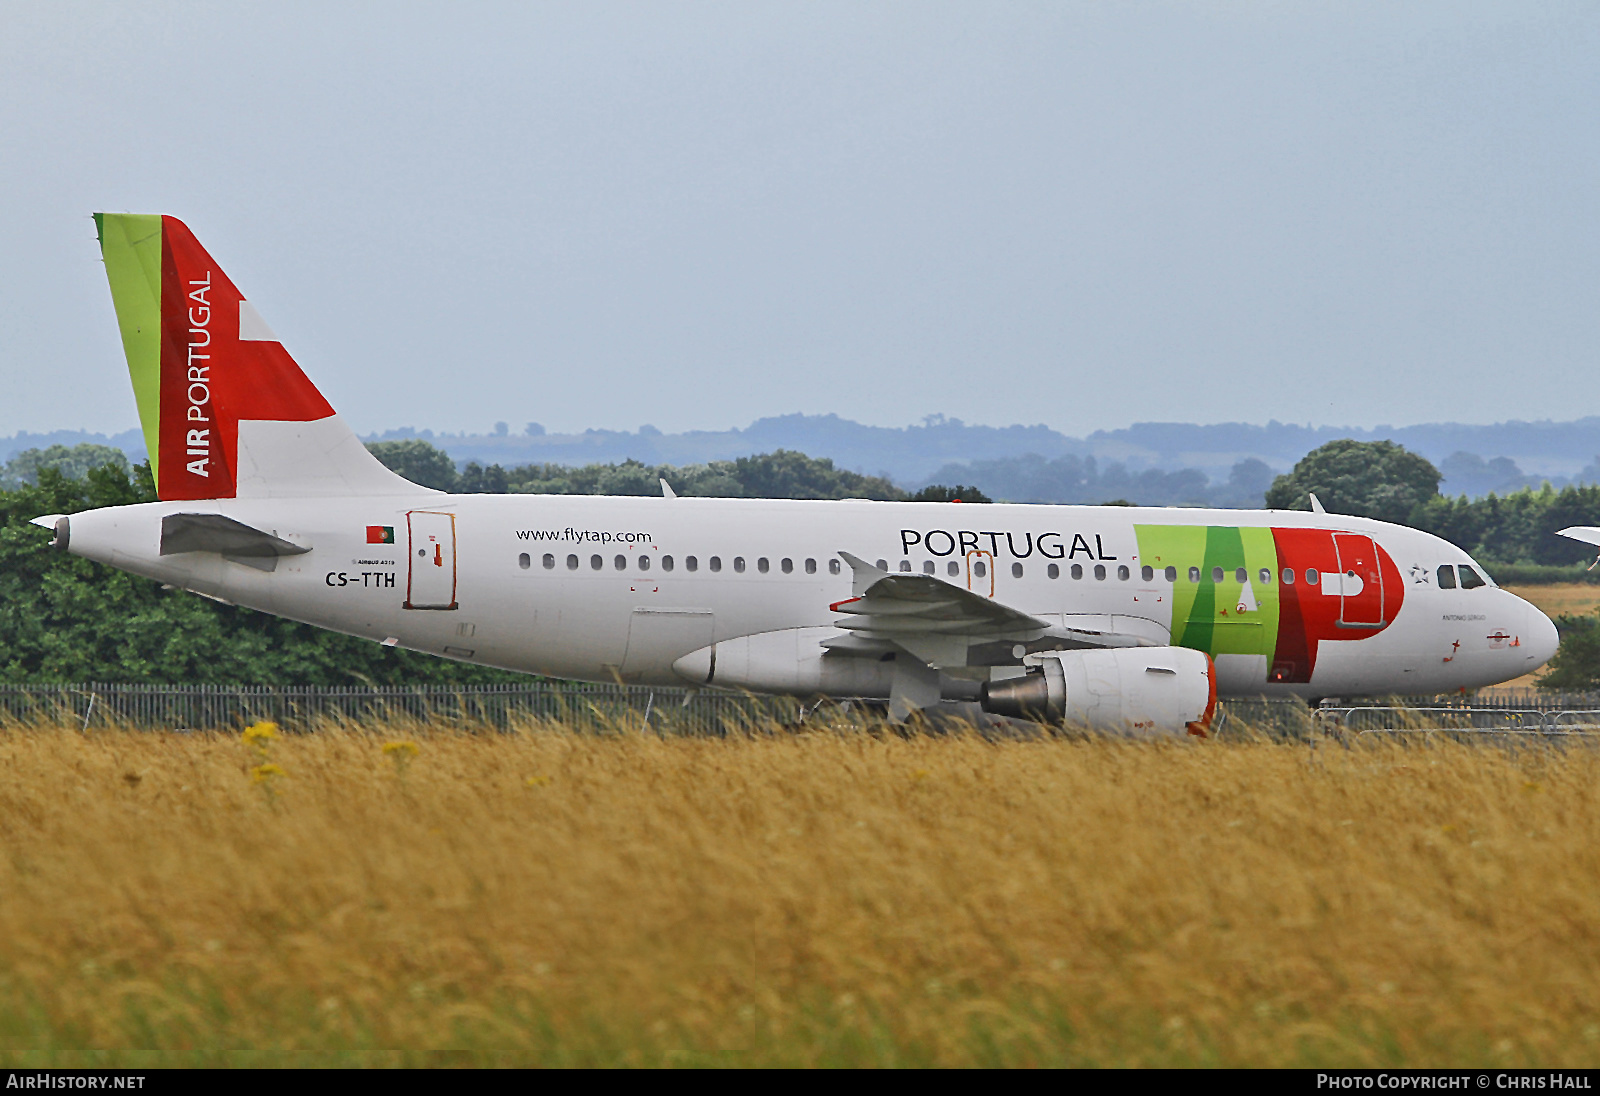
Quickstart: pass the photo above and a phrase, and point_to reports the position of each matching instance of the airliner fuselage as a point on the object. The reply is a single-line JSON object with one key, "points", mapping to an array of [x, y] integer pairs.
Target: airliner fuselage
{"points": [[608, 588]]}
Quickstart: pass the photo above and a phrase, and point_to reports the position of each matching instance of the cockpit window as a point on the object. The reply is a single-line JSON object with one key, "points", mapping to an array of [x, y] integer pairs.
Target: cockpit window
{"points": [[1447, 577], [1470, 578]]}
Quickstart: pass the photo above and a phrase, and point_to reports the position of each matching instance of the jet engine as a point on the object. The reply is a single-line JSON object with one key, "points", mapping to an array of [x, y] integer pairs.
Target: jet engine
{"points": [[1137, 690]]}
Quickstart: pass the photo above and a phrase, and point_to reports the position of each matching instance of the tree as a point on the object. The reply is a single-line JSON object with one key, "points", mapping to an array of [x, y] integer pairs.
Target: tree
{"points": [[1375, 479], [74, 462], [418, 461], [1576, 665], [938, 492]]}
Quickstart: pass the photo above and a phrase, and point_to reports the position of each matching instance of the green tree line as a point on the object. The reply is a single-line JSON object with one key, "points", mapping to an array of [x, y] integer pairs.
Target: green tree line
{"points": [[782, 474]]}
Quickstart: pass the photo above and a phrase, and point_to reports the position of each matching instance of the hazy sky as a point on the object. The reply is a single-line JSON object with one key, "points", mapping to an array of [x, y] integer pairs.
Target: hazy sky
{"points": [[694, 215]]}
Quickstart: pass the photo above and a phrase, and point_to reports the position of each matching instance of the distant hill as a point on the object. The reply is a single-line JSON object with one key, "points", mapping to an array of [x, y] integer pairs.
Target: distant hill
{"points": [[1155, 462]]}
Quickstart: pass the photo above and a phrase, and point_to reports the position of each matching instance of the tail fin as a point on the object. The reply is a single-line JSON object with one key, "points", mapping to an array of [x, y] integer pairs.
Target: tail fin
{"points": [[226, 411]]}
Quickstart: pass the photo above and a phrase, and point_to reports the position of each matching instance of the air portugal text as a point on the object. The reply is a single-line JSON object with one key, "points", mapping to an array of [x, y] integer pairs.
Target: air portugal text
{"points": [[197, 440], [947, 542]]}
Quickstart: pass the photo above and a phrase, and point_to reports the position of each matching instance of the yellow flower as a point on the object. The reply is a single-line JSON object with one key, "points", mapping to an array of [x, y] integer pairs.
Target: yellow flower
{"points": [[261, 774], [260, 735], [400, 750]]}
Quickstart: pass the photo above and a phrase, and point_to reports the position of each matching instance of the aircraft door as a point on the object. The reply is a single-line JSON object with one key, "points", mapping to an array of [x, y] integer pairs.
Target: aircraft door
{"points": [[431, 576], [1360, 580]]}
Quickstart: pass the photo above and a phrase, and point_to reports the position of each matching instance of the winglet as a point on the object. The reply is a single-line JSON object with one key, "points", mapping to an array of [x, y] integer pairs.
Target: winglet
{"points": [[666, 489], [1316, 503]]}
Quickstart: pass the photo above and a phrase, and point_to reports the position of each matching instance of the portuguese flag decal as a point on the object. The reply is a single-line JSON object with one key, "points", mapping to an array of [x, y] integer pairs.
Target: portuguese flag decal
{"points": [[380, 534]]}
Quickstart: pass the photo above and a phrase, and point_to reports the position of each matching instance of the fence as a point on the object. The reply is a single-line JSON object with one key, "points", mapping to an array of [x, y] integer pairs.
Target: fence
{"points": [[300, 707], [676, 710]]}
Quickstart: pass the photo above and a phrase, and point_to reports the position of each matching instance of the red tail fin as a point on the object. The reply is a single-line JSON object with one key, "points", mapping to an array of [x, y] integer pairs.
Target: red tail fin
{"points": [[207, 371]]}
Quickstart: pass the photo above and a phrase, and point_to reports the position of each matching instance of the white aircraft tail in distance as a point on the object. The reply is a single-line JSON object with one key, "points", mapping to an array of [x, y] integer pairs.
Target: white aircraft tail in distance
{"points": [[1128, 619]]}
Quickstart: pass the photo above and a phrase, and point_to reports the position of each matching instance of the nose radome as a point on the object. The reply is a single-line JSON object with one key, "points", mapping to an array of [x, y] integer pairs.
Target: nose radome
{"points": [[1539, 638]]}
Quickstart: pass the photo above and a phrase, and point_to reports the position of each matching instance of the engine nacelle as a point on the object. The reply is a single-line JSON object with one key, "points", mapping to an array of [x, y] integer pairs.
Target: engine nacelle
{"points": [[1137, 690]]}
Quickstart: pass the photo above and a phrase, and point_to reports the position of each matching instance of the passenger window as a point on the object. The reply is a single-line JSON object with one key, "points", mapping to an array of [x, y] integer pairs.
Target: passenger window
{"points": [[715, 564], [525, 561], [1266, 576], [1123, 572], [572, 563], [1077, 570], [549, 562], [1147, 573], [666, 563], [833, 567], [1216, 574], [1313, 576], [811, 566], [979, 569], [1447, 577], [1172, 574], [1288, 576], [692, 562], [762, 565], [905, 565], [927, 566], [787, 566], [1053, 571], [1241, 576], [883, 565], [1194, 574], [1470, 579], [621, 562], [644, 563], [738, 565], [595, 563], [952, 568], [1016, 570], [1100, 572]]}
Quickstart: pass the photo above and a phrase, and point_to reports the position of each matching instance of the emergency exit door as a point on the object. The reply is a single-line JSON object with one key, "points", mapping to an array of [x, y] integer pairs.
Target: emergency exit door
{"points": [[431, 577]]}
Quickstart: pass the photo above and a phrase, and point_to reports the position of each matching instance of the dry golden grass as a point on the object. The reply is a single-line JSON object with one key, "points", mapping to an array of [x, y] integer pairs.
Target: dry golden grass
{"points": [[1554, 599], [834, 897]]}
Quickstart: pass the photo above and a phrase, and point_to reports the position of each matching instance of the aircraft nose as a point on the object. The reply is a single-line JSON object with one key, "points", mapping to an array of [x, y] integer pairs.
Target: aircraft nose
{"points": [[1540, 638]]}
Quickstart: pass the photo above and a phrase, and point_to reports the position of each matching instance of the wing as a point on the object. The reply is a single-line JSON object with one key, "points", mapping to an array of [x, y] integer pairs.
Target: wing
{"points": [[940, 623], [1589, 534]]}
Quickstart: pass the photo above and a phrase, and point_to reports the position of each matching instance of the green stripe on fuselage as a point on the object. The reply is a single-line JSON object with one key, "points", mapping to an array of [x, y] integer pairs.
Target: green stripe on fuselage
{"points": [[1206, 615], [131, 246]]}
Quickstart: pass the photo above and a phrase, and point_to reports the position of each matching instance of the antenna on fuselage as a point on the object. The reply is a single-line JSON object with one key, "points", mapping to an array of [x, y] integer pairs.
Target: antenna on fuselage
{"points": [[1316, 503]]}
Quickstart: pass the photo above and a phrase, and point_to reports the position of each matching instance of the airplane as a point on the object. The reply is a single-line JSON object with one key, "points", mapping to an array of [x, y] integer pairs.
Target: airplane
{"points": [[1132, 620]]}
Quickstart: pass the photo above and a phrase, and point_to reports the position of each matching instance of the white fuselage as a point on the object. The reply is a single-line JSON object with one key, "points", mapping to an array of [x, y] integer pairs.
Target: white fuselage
{"points": [[607, 588]]}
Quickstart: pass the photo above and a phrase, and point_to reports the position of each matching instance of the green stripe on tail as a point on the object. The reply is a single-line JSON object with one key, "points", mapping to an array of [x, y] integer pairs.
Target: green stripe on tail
{"points": [[131, 246]]}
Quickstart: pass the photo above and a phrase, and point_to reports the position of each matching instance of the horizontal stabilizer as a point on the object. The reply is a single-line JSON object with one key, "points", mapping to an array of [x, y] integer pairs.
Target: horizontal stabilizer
{"points": [[231, 539]]}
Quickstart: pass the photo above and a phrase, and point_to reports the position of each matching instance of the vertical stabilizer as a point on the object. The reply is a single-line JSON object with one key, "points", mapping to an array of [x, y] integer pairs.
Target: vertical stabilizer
{"points": [[226, 412]]}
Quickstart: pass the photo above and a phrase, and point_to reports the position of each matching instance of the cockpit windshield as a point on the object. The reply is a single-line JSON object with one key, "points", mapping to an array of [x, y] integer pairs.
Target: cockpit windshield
{"points": [[1470, 579]]}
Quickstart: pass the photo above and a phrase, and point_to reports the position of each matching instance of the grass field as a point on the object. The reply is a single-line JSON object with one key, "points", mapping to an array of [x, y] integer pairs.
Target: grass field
{"points": [[1577, 598], [838, 897]]}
